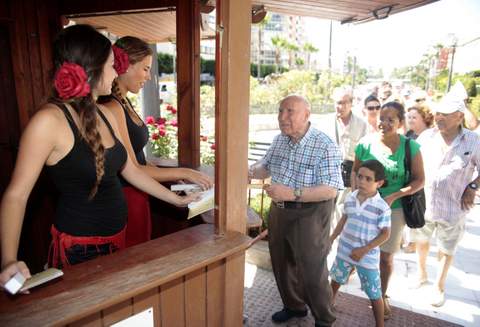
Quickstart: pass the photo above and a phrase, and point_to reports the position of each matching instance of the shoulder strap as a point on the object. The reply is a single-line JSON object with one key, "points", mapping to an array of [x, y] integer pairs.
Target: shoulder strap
{"points": [[106, 122], [69, 117], [408, 159]]}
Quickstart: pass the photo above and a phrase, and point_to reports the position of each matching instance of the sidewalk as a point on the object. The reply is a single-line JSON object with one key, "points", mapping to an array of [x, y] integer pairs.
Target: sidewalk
{"points": [[462, 304]]}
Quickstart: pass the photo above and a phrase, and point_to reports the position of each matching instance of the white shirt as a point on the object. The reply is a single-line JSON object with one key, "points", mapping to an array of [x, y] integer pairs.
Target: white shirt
{"points": [[448, 171]]}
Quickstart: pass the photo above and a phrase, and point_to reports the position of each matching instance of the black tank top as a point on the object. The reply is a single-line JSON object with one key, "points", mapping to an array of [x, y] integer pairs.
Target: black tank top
{"points": [[138, 137], [74, 175]]}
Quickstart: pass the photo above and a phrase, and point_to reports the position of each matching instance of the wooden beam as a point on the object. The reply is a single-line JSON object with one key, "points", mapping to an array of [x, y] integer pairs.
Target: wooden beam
{"points": [[231, 112], [188, 82], [105, 6]]}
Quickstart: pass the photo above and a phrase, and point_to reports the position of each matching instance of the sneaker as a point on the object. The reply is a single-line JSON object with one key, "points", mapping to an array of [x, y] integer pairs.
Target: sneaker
{"points": [[387, 311], [438, 298], [287, 314]]}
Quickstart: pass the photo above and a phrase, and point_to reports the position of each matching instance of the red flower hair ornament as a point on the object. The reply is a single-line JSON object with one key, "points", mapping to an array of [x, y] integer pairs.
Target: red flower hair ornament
{"points": [[121, 61], [71, 81]]}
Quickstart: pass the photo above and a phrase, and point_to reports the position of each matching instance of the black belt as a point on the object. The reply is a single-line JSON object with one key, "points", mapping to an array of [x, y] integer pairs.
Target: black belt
{"points": [[294, 204]]}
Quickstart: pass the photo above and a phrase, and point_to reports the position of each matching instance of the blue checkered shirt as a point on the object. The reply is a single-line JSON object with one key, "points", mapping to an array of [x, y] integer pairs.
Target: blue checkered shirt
{"points": [[314, 160]]}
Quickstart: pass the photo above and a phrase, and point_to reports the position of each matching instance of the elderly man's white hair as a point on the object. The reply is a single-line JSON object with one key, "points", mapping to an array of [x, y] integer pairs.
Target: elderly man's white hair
{"points": [[296, 97], [340, 92]]}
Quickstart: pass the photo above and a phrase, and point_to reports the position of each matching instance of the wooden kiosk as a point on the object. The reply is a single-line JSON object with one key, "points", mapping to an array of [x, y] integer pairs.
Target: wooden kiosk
{"points": [[190, 278], [193, 277]]}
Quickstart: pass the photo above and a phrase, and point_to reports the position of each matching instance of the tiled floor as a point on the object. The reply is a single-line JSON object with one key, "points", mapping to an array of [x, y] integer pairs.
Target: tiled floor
{"points": [[462, 304]]}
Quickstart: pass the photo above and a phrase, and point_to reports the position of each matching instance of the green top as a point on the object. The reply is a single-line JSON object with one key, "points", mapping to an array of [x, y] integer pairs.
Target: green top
{"points": [[370, 148]]}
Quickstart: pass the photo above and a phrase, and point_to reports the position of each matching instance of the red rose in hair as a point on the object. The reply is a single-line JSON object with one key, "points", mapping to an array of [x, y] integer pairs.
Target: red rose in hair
{"points": [[121, 61], [71, 81]]}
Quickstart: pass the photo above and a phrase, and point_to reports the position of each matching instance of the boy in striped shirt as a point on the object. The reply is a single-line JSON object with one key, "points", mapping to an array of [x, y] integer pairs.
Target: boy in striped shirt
{"points": [[364, 226]]}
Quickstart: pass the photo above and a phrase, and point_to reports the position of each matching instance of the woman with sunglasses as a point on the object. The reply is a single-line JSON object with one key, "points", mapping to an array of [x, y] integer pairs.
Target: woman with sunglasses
{"points": [[371, 111]]}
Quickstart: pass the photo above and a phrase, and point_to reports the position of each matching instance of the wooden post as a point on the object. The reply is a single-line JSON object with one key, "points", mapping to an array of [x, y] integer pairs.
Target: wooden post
{"points": [[231, 112], [188, 82], [231, 138]]}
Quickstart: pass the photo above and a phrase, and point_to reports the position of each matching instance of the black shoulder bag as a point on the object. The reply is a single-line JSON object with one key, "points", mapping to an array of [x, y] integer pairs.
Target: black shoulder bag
{"points": [[414, 204]]}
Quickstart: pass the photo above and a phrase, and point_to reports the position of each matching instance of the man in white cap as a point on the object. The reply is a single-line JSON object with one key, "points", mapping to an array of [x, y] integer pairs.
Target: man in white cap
{"points": [[451, 156]]}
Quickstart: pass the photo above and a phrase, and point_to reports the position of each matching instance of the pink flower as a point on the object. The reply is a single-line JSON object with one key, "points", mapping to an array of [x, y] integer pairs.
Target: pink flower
{"points": [[121, 61], [173, 122], [155, 136], [71, 81], [161, 121], [150, 120], [212, 146], [161, 132], [173, 111], [170, 107]]}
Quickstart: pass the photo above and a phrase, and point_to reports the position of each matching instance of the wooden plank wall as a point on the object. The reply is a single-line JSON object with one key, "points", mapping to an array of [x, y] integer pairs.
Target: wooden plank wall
{"points": [[196, 299], [31, 25]]}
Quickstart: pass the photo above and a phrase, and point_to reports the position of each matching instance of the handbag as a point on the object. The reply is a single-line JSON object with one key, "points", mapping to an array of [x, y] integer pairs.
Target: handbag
{"points": [[347, 166], [414, 204]]}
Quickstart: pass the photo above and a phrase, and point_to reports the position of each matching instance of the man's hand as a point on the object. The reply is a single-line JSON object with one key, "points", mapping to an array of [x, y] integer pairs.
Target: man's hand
{"points": [[358, 253], [468, 199], [280, 192]]}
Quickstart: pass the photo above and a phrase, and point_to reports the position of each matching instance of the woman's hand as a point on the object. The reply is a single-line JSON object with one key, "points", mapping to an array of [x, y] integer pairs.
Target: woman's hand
{"points": [[204, 181], [11, 269], [184, 200]]}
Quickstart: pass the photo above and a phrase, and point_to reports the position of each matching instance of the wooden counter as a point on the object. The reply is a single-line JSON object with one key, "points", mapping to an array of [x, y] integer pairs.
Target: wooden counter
{"points": [[183, 276]]}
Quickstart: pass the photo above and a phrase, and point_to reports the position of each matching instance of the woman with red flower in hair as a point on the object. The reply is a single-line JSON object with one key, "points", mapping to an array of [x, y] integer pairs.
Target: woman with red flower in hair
{"points": [[79, 143], [133, 59]]}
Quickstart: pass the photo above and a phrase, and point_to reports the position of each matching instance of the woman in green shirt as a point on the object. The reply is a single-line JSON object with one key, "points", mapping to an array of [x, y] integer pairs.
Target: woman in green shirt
{"points": [[388, 147]]}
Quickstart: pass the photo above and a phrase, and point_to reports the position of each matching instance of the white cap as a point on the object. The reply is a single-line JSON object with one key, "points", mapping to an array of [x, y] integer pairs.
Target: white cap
{"points": [[450, 104], [458, 91]]}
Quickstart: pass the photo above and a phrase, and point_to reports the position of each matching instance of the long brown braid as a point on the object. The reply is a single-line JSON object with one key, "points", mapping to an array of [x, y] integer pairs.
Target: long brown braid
{"points": [[83, 45]]}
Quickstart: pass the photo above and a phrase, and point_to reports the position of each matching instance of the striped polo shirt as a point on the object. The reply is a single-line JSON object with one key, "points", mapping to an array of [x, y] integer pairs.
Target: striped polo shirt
{"points": [[364, 222]]}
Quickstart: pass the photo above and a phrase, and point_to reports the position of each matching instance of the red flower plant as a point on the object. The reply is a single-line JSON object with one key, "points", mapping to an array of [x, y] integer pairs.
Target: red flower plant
{"points": [[161, 121], [150, 120], [212, 146], [71, 81], [121, 61], [155, 136], [174, 122]]}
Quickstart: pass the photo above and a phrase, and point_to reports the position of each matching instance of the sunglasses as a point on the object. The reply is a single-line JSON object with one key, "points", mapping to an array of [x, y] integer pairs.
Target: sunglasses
{"points": [[373, 108], [420, 100]]}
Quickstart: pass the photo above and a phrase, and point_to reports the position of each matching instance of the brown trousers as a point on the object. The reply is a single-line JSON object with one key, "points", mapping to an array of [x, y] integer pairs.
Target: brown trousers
{"points": [[299, 245]]}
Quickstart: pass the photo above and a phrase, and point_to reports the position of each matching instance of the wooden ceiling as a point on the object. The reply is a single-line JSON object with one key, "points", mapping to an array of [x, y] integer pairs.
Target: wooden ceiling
{"points": [[345, 11], [158, 25]]}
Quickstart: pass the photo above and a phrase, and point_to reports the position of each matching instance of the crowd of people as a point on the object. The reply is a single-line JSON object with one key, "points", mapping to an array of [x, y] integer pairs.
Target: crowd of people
{"points": [[359, 166]]}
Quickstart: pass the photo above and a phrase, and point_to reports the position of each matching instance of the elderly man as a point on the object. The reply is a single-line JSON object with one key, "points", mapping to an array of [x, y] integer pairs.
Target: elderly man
{"points": [[451, 155], [349, 129], [304, 164]]}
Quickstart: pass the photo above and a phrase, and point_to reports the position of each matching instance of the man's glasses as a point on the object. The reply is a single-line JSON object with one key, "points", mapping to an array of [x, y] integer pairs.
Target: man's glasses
{"points": [[373, 108], [420, 100]]}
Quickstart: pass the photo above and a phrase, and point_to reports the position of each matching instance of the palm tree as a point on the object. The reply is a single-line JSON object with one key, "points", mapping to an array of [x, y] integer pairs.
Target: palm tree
{"points": [[261, 26], [308, 48], [292, 51], [279, 44]]}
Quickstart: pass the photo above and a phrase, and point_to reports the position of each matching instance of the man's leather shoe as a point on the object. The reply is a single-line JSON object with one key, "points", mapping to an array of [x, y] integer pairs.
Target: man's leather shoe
{"points": [[287, 314]]}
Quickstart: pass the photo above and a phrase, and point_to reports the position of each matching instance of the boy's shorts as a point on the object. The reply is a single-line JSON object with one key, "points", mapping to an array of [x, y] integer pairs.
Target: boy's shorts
{"points": [[369, 278]]}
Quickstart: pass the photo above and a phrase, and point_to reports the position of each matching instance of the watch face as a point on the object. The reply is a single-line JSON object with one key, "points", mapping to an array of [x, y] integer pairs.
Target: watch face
{"points": [[473, 186]]}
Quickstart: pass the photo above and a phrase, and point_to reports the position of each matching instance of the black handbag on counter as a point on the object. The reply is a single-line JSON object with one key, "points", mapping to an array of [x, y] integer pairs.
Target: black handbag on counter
{"points": [[414, 204]]}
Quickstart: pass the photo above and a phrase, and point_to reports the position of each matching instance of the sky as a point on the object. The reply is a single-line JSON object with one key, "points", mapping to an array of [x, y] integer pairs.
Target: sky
{"points": [[402, 39]]}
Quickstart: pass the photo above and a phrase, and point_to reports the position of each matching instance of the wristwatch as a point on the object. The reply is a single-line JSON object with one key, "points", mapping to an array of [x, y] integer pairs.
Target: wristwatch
{"points": [[298, 194], [473, 186]]}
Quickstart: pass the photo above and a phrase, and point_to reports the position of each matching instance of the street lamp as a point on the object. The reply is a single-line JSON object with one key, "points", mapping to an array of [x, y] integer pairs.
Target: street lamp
{"points": [[453, 41]]}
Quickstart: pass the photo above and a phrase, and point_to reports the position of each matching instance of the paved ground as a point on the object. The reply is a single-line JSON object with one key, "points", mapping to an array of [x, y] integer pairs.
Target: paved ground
{"points": [[462, 304]]}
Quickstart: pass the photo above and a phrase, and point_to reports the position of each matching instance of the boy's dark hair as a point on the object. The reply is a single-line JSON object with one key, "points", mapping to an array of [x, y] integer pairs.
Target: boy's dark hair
{"points": [[377, 168], [370, 98]]}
